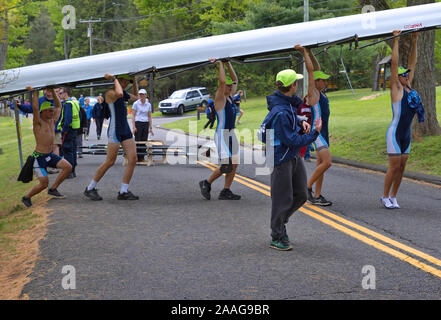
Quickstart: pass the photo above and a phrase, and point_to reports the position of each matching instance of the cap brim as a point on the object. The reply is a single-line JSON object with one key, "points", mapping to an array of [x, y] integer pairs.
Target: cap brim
{"points": [[299, 76]]}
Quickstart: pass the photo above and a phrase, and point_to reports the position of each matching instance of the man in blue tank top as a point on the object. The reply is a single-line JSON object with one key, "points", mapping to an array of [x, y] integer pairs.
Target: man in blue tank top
{"points": [[225, 138], [405, 103], [118, 133]]}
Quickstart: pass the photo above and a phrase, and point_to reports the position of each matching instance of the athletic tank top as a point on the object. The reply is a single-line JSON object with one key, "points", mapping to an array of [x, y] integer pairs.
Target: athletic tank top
{"points": [[226, 118]]}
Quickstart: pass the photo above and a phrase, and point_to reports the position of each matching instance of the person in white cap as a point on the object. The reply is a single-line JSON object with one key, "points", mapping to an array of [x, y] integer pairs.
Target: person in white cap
{"points": [[142, 121]]}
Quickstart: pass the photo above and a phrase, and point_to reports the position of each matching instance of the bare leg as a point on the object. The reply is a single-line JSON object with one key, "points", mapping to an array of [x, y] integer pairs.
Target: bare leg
{"points": [[229, 177], [66, 168], [399, 176], [216, 174], [43, 183], [112, 153], [240, 116], [129, 147], [324, 156], [392, 171]]}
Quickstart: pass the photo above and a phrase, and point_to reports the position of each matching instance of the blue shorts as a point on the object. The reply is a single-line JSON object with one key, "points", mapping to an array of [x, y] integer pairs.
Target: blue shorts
{"points": [[119, 137], [42, 161], [320, 143]]}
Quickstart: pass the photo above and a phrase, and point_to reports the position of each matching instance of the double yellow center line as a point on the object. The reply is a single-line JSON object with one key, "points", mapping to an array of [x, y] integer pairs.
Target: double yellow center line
{"points": [[352, 229]]}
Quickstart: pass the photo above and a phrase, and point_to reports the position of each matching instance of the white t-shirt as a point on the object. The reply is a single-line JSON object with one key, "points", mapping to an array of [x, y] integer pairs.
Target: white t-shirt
{"points": [[140, 110]]}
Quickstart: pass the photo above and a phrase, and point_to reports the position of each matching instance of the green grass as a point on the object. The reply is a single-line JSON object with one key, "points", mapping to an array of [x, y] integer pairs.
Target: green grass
{"points": [[14, 217], [357, 129]]}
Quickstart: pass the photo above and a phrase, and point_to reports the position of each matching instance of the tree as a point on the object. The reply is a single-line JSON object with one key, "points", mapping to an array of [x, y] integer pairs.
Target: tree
{"points": [[424, 80]]}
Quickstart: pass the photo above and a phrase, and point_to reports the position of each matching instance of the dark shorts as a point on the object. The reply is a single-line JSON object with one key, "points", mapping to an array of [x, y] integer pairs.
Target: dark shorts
{"points": [[42, 161]]}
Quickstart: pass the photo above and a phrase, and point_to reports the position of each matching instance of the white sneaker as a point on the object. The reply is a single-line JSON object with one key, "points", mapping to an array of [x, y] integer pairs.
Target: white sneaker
{"points": [[387, 203], [394, 203]]}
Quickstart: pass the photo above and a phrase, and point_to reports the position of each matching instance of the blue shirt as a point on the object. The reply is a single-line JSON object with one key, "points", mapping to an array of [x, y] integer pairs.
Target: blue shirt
{"points": [[210, 106], [88, 109]]}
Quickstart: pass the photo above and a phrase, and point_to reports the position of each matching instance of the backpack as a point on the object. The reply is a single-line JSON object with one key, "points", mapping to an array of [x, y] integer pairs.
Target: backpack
{"points": [[83, 118]]}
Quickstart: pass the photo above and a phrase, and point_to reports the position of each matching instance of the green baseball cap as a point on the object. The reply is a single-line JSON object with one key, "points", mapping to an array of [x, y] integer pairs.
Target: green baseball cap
{"points": [[125, 76], [45, 106], [402, 70], [228, 81], [288, 76], [320, 75]]}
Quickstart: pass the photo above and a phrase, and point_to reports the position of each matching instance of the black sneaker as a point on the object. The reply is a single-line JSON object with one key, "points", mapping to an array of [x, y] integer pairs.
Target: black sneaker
{"points": [[71, 175], [55, 193], [321, 201], [205, 189], [310, 196], [226, 194], [92, 194], [127, 196], [27, 201]]}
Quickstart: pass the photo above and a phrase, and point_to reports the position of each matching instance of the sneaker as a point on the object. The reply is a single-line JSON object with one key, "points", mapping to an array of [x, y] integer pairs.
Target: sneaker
{"points": [[127, 196], [205, 189], [310, 195], [226, 194], [321, 201], [71, 175], [286, 240], [394, 203], [55, 193], [280, 245], [92, 194], [27, 201], [387, 203], [52, 170]]}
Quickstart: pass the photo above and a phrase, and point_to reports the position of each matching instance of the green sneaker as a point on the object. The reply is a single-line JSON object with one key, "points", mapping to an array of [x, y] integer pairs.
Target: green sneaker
{"points": [[280, 245], [286, 240]]}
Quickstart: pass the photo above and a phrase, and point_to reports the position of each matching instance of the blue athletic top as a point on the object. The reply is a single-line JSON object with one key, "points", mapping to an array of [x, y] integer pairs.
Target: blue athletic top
{"points": [[403, 116], [119, 128], [324, 106], [226, 118]]}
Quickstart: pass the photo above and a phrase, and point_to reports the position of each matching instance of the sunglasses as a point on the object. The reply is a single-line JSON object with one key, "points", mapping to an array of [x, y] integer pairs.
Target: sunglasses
{"points": [[404, 74]]}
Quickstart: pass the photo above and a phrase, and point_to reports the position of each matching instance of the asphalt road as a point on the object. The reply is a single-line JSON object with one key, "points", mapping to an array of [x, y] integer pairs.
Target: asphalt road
{"points": [[173, 244]]}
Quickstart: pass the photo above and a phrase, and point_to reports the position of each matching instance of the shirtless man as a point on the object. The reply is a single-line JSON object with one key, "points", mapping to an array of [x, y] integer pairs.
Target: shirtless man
{"points": [[44, 119]]}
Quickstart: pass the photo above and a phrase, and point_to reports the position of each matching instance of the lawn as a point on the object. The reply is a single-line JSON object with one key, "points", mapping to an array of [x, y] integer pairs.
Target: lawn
{"points": [[357, 129], [13, 215]]}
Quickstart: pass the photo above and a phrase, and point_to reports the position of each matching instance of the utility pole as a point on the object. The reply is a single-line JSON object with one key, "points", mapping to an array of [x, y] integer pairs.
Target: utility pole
{"points": [[305, 72], [89, 35]]}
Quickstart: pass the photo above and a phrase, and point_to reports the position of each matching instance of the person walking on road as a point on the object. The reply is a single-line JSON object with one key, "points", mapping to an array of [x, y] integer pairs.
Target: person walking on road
{"points": [[142, 122], [119, 134], [225, 138], [98, 116], [288, 178], [405, 104], [44, 119], [88, 108], [237, 99], [321, 145], [69, 124], [211, 114]]}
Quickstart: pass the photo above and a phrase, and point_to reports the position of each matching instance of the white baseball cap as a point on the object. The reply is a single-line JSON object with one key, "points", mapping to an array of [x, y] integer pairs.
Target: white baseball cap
{"points": [[142, 91]]}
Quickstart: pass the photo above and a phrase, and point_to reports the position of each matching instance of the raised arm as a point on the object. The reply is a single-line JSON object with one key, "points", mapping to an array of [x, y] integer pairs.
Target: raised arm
{"points": [[395, 85], [313, 93], [219, 99], [57, 104], [413, 57], [233, 77], [113, 94], [315, 63], [35, 106], [134, 96]]}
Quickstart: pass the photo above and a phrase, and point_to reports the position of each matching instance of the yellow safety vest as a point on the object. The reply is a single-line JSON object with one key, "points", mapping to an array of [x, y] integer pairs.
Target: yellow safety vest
{"points": [[75, 115]]}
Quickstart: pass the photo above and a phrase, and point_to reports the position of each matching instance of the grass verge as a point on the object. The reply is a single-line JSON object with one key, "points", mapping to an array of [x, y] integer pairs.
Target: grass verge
{"points": [[20, 228]]}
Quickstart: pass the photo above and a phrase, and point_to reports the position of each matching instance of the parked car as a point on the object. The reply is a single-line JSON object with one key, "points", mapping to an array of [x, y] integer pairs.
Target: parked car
{"points": [[184, 100]]}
